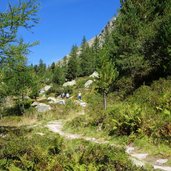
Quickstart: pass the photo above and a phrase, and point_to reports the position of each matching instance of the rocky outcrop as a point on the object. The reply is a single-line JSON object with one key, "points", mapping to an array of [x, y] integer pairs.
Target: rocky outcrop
{"points": [[45, 89], [94, 75], [69, 83], [88, 83], [101, 37], [53, 100], [41, 107]]}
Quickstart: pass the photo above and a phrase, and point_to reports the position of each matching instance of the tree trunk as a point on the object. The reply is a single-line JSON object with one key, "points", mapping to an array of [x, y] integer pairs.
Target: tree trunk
{"points": [[22, 108], [104, 101]]}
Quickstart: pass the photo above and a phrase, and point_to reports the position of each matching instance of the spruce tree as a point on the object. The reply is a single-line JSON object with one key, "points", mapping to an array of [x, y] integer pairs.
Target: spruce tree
{"points": [[73, 64], [107, 74]]}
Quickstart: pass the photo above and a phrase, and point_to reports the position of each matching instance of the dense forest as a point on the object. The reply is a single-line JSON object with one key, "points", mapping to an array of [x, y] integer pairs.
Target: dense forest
{"points": [[128, 103]]}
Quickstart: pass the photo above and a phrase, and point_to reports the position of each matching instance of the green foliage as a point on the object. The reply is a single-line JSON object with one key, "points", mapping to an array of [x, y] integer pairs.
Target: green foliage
{"points": [[21, 15], [16, 76], [87, 59], [73, 64], [58, 75], [34, 152], [107, 74]]}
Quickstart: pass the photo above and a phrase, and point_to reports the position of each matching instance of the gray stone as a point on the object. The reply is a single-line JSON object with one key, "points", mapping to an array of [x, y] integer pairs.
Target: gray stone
{"points": [[88, 83], [41, 107], [140, 156], [45, 89], [165, 168], [161, 161], [94, 75], [62, 102], [69, 83], [83, 104], [35, 104], [53, 100], [137, 162], [129, 149]]}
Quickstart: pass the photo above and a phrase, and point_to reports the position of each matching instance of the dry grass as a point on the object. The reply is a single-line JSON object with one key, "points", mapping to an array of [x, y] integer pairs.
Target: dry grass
{"points": [[17, 121]]}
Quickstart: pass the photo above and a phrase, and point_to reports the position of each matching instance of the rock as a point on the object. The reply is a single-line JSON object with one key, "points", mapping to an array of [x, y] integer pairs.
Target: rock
{"points": [[161, 161], [69, 83], [41, 92], [138, 163], [165, 168], [45, 89], [41, 107], [88, 83], [83, 104], [62, 102], [27, 97], [140, 156], [129, 149], [94, 75], [53, 100], [35, 104]]}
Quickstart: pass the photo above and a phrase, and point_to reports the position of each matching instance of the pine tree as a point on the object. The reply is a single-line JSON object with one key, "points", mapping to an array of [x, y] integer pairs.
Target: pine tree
{"points": [[59, 75], [107, 75], [73, 64], [87, 62], [16, 77]]}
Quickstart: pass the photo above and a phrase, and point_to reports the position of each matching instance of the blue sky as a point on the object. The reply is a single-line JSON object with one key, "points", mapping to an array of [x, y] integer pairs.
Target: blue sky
{"points": [[63, 23]]}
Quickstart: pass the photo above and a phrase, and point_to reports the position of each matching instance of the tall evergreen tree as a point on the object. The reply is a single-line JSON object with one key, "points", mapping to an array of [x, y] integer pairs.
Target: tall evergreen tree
{"points": [[59, 75], [87, 62], [107, 75], [16, 76], [73, 64]]}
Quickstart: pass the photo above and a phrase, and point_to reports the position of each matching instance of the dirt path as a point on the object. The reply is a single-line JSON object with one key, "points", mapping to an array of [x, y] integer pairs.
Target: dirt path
{"points": [[139, 159]]}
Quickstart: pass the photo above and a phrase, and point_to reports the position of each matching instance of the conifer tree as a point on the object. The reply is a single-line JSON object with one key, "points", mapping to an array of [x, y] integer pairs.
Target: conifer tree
{"points": [[73, 64], [59, 75], [87, 62], [107, 74]]}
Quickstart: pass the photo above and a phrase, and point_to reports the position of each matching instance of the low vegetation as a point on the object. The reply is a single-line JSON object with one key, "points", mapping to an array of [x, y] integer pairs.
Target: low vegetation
{"points": [[133, 60]]}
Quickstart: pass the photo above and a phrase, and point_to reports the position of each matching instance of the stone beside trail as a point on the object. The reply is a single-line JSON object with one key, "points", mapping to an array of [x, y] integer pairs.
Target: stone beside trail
{"points": [[139, 159]]}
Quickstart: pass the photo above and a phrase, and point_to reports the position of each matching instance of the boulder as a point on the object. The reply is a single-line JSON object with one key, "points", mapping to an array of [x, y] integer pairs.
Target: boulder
{"points": [[94, 75], [35, 104], [69, 83], [88, 83], [62, 102], [53, 100], [45, 89], [83, 104], [161, 161], [41, 107]]}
